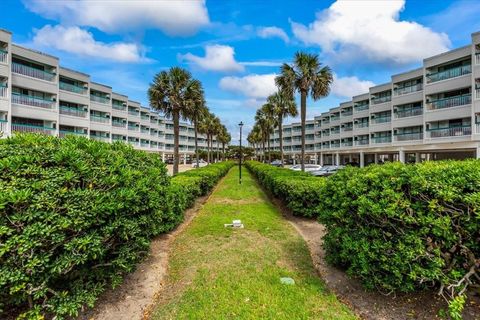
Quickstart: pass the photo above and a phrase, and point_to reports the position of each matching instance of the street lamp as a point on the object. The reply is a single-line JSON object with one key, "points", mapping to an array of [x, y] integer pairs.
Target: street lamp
{"points": [[240, 157]]}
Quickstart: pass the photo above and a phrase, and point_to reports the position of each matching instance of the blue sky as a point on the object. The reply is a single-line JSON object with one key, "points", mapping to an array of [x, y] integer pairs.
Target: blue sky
{"points": [[235, 47]]}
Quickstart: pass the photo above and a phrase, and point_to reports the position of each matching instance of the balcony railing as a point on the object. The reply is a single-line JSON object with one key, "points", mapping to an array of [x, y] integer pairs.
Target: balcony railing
{"points": [[3, 126], [347, 144], [477, 58], [449, 132], [381, 120], [17, 127], [64, 133], [362, 142], [450, 102], [143, 117], [144, 130], [3, 56], [361, 107], [408, 113], [100, 99], [100, 138], [100, 119], [119, 124], [32, 72], [408, 136], [326, 146], [335, 145], [133, 128], [3, 91], [71, 111], [134, 143], [346, 129], [409, 89], [477, 128], [381, 99], [145, 144], [337, 131], [347, 113], [72, 88], [19, 98], [450, 73], [382, 139], [477, 93], [360, 125]]}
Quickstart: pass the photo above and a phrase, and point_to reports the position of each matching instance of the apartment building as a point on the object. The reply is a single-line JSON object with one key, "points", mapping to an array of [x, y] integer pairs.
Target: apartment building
{"points": [[38, 95], [430, 113]]}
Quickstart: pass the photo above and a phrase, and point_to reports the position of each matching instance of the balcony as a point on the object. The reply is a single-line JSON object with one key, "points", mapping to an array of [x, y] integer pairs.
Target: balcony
{"points": [[360, 125], [3, 126], [133, 128], [63, 133], [477, 93], [381, 119], [363, 142], [19, 98], [134, 113], [72, 111], [100, 99], [477, 58], [381, 99], [99, 119], [3, 56], [381, 140], [361, 107], [145, 144], [450, 102], [326, 146], [143, 130], [346, 129], [408, 136], [145, 117], [3, 91], [448, 74], [119, 124], [335, 145], [409, 89], [449, 132], [408, 113], [32, 72], [347, 144], [72, 88], [100, 138], [17, 127]]}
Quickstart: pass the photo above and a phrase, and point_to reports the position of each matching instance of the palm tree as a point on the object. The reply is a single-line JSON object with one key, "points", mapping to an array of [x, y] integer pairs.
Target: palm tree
{"points": [[283, 105], [224, 137], [171, 93], [307, 76], [267, 122], [197, 110], [209, 126], [254, 138]]}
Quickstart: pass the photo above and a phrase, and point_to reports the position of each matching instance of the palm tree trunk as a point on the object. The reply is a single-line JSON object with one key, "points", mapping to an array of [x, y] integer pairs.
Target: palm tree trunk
{"points": [[303, 112], [218, 150], [280, 136], [196, 142], [264, 151], [269, 150], [176, 136], [211, 146], [208, 148], [223, 148]]}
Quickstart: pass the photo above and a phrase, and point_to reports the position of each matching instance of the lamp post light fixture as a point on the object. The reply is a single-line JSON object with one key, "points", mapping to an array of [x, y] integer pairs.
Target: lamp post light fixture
{"points": [[241, 154]]}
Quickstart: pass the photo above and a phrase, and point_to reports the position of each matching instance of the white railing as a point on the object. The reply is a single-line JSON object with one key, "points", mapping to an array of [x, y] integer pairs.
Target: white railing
{"points": [[3, 91], [3, 127], [477, 93], [449, 132], [409, 136], [450, 102], [32, 72], [31, 128], [103, 100], [408, 113], [99, 119], [477, 58], [477, 128], [405, 90], [362, 142], [3, 56], [32, 101], [75, 112]]}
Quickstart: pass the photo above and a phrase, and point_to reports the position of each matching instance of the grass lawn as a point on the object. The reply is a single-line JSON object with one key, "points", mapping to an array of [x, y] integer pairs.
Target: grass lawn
{"points": [[221, 273]]}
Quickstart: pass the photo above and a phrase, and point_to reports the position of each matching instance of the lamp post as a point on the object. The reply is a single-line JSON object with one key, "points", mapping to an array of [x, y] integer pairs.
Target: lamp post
{"points": [[241, 154]]}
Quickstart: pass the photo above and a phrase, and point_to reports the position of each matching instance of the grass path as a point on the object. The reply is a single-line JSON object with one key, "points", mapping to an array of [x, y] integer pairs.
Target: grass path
{"points": [[221, 273]]}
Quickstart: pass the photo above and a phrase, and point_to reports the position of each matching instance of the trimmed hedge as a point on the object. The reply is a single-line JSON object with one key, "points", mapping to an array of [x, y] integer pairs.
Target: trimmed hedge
{"points": [[298, 190], [396, 227], [76, 215]]}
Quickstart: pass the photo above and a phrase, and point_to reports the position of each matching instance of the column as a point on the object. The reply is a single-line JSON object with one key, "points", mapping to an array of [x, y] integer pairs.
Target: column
{"points": [[362, 159], [163, 156], [375, 157], [350, 158], [401, 156], [337, 159], [418, 159], [321, 159], [294, 159], [477, 153], [184, 158]]}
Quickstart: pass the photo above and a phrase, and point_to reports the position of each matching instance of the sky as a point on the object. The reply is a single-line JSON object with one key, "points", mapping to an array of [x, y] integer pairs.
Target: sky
{"points": [[236, 47]]}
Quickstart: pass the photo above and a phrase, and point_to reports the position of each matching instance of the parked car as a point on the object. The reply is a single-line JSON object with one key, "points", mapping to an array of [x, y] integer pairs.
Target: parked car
{"points": [[326, 171], [308, 167], [201, 163], [276, 163]]}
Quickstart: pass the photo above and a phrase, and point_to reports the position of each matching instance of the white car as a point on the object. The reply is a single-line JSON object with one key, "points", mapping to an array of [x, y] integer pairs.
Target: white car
{"points": [[308, 167], [201, 163]]}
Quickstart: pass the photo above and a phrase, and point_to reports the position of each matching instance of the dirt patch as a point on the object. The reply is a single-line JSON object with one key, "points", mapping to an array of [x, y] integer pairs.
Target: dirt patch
{"points": [[371, 304], [134, 297]]}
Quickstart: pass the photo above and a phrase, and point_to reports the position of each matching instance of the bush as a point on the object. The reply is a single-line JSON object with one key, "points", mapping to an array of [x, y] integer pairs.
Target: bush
{"points": [[300, 191], [78, 214], [396, 227]]}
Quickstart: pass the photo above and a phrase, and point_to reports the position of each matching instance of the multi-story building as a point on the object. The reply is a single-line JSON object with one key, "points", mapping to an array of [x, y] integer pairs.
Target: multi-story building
{"points": [[38, 95], [425, 114]]}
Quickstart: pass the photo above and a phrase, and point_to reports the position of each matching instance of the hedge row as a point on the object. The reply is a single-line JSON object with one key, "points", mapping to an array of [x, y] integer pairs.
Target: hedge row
{"points": [[397, 227], [76, 215], [299, 191]]}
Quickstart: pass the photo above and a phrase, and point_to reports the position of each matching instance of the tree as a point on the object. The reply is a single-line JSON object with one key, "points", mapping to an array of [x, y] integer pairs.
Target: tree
{"points": [[196, 111], [254, 138], [267, 122], [307, 76], [225, 138], [171, 93], [209, 126], [283, 105]]}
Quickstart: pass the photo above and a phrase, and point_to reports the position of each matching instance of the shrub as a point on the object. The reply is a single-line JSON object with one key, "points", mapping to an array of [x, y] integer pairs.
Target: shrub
{"points": [[396, 227], [76, 215], [300, 191]]}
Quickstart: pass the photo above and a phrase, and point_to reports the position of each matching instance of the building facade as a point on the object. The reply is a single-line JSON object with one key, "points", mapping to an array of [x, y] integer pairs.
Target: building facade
{"points": [[38, 95], [430, 113]]}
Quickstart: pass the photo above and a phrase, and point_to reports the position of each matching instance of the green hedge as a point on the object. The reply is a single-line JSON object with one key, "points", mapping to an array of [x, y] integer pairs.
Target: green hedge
{"points": [[396, 227], [76, 215], [299, 191]]}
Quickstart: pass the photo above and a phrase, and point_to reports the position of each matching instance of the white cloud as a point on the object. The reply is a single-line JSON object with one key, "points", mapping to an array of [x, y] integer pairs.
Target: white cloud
{"points": [[81, 42], [262, 63], [371, 29], [172, 17], [272, 32], [255, 86], [347, 87], [217, 58]]}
